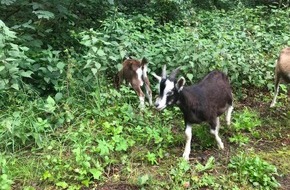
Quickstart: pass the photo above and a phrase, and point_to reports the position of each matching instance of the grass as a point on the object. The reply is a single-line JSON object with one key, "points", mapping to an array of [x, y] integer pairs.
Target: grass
{"points": [[119, 147]]}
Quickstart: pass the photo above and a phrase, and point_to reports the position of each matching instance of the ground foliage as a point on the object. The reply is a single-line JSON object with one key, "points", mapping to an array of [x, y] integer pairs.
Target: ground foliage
{"points": [[64, 126]]}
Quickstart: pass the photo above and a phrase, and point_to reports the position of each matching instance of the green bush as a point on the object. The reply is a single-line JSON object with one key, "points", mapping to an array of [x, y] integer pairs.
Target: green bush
{"points": [[15, 64], [245, 121], [5, 180], [82, 131], [254, 170], [246, 52]]}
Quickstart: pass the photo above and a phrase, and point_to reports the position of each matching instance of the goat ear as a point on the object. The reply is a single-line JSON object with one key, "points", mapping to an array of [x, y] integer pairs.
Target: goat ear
{"points": [[144, 61], [157, 77], [180, 84]]}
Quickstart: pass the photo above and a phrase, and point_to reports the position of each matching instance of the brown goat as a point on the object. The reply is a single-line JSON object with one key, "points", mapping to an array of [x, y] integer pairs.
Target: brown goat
{"points": [[282, 71], [135, 73]]}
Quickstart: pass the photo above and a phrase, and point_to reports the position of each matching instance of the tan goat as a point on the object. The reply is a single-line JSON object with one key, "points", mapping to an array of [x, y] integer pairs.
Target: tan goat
{"points": [[282, 71]]}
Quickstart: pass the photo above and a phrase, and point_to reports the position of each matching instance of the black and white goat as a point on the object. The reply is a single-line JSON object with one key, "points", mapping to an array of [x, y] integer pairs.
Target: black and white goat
{"points": [[282, 71], [135, 73], [205, 101]]}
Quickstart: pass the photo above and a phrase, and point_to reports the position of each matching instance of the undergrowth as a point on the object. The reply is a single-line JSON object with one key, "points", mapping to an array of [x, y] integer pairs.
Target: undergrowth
{"points": [[64, 126]]}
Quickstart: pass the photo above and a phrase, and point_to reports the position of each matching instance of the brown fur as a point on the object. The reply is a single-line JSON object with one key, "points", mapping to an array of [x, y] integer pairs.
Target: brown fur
{"points": [[282, 71], [128, 73], [283, 65]]}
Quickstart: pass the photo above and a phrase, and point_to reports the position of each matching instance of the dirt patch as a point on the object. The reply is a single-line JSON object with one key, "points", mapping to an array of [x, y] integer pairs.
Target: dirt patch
{"points": [[285, 182], [118, 187]]}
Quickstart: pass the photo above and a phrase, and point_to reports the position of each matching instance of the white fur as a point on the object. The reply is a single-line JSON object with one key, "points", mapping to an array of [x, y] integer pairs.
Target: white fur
{"points": [[145, 71], [180, 84], [139, 74], [161, 102], [157, 77], [216, 134], [188, 134], [229, 114], [275, 97], [142, 102]]}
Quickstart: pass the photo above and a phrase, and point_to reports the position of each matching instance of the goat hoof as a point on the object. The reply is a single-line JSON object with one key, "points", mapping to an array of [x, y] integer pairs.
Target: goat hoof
{"points": [[221, 146]]}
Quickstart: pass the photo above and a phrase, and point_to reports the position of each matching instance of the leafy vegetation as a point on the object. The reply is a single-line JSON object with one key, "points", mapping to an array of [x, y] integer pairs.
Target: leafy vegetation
{"points": [[258, 172], [64, 126], [246, 121]]}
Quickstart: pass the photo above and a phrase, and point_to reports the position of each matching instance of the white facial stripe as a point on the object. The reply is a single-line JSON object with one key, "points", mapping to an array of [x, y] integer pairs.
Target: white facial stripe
{"points": [[145, 71], [169, 85], [139, 74]]}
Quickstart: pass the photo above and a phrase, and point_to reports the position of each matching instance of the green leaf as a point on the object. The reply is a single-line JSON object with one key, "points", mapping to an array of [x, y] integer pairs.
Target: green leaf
{"points": [[62, 184], [43, 14], [143, 179], [7, 2], [97, 65], [111, 2], [47, 175], [96, 173], [101, 52], [122, 145], [60, 65], [104, 147], [50, 100], [189, 76], [2, 68], [113, 58], [95, 49], [58, 96], [151, 157], [122, 53], [94, 70], [86, 182], [15, 86], [26, 74]]}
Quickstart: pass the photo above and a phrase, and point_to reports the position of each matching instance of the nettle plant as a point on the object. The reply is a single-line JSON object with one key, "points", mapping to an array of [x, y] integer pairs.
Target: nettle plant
{"points": [[254, 170], [5, 180], [197, 176], [14, 61], [244, 121]]}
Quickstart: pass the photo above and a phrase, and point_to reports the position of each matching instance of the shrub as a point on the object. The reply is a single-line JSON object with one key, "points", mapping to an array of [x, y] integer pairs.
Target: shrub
{"points": [[245, 121], [254, 170]]}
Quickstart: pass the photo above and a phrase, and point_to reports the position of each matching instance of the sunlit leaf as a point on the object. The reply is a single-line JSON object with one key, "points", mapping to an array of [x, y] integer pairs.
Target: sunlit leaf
{"points": [[62, 184], [43, 14], [7, 2], [96, 173], [15, 86], [26, 74], [101, 52]]}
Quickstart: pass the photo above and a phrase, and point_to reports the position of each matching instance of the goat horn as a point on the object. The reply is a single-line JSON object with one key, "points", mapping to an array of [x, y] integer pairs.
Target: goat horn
{"points": [[163, 72], [157, 77], [174, 73]]}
